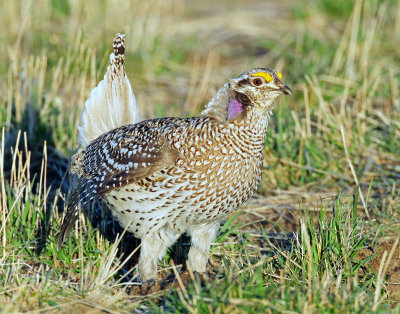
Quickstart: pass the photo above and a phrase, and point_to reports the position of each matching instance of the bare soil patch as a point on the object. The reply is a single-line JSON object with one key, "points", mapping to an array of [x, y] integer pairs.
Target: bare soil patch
{"points": [[392, 277]]}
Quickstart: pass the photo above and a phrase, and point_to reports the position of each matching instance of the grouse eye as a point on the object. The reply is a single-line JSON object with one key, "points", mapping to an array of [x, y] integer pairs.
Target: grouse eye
{"points": [[257, 82]]}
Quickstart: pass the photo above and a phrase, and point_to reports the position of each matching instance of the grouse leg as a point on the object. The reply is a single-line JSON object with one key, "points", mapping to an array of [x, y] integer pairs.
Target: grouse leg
{"points": [[153, 249], [200, 247]]}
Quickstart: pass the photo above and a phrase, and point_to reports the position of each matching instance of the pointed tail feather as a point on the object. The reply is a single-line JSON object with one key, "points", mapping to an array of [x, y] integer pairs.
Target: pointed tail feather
{"points": [[112, 103], [84, 193]]}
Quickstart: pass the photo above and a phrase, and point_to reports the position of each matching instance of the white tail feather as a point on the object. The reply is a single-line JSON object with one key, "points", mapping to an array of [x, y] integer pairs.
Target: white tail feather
{"points": [[112, 103]]}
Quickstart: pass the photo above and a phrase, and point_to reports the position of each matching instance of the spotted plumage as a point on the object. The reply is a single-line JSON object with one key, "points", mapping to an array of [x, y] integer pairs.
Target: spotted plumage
{"points": [[164, 177]]}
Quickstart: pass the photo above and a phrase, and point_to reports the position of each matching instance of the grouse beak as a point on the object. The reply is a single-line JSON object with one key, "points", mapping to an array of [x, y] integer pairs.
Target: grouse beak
{"points": [[282, 88], [286, 90]]}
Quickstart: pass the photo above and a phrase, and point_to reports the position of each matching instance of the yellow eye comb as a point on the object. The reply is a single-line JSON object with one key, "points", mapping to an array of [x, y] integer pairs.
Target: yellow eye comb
{"points": [[267, 76]]}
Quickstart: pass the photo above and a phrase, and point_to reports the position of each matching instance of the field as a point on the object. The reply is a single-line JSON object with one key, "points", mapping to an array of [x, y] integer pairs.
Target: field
{"points": [[322, 233]]}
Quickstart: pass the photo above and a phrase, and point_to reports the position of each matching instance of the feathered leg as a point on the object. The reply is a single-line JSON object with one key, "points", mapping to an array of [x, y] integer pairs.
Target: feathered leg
{"points": [[153, 249], [200, 247]]}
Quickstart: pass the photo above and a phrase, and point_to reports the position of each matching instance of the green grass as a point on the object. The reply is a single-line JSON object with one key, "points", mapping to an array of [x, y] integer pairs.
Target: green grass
{"points": [[341, 60], [318, 274]]}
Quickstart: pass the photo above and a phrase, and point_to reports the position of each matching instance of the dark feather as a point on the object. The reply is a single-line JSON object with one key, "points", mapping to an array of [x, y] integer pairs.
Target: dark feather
{"points": [[84, 193], [130, 153]]}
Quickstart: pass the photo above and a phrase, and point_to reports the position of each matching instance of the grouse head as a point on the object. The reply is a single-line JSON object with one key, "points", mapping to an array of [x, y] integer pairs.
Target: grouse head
{"points": [[255, 90]]}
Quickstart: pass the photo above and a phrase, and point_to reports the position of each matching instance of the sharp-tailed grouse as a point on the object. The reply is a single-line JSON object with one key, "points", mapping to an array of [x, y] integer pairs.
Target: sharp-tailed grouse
{"points": [[164, 177]]}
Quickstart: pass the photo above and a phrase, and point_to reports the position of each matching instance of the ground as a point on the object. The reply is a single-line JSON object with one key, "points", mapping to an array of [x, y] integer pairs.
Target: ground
{"points": [[322, 233]]}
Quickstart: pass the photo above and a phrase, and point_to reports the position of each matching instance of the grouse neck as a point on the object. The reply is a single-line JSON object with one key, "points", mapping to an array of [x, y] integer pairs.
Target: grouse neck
{"points": [[250, 132], [255, 121]]}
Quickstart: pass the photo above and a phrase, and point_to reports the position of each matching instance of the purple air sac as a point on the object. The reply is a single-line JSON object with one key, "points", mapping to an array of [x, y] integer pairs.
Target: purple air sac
{"points": [[234, 109]]}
